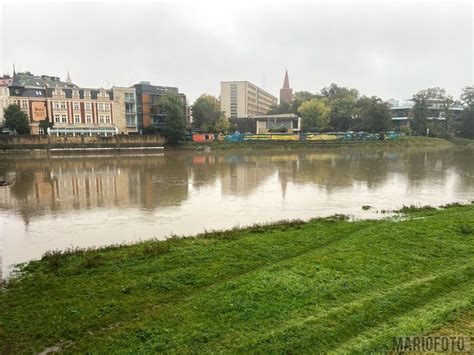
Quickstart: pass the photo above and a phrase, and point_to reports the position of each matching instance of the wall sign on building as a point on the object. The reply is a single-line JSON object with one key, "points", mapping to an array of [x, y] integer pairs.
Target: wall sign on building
{"points": [[38, 109]]}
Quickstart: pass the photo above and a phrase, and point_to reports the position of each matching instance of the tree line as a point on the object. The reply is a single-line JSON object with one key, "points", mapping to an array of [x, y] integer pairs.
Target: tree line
{"points": [[334, 108]]}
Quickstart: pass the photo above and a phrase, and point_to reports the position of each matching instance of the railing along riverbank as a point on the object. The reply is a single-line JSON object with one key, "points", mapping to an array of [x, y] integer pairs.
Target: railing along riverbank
{"points": [[79, 143]]}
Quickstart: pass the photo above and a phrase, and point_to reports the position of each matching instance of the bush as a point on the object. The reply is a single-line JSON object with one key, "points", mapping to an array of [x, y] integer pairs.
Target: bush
{"points": [[150, 130], [278, 130], [404, 130], [326, 129]]}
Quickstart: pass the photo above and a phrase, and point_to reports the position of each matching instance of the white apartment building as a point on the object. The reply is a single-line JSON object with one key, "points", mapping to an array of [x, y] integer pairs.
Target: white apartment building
{"points": [[243, 99]]}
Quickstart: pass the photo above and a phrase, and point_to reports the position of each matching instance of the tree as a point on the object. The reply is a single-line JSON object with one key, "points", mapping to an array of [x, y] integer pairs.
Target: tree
{"points": [[45, 124], [419, 114], [314, 114], [333, 91], [222, 125], [467, 117], [16, 119], [343, 104], [373, 115], [467, 96], [171, 105], [283, 107], [447, 113], [300, 97], [423, 107], [206, 112]]}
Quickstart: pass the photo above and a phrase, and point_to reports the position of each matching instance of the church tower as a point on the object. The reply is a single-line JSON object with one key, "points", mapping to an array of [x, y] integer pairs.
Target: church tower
{"points": [[286, 93]]}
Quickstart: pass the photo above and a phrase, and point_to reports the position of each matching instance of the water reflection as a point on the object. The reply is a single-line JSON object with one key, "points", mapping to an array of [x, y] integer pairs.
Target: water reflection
{"points": [[53, 185], [59, 200]]}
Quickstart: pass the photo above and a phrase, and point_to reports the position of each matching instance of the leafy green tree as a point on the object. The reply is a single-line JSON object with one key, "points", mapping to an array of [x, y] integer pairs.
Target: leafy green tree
{"points": [[373, 115], [343, 104], [467, 96], [314, 114], [16, 119], [175, 121], [45, 124], [419, 114], [283, 107], [447, 113], [343, 111], [300, 97], [422, 109], [222, 125], [467, 117], [333, 92], [206, 112]]}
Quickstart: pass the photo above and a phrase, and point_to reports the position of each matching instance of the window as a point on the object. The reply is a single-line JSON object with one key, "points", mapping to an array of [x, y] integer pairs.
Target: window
{"points": [[131, 120], [75, 105], [57, 118], [40, 131], [129, 108], [107, 119], [87, 93], [88, 106], [106, 107], [88, 118], [75, 93], [77, 118], [64, 118], [100, 106], [63, 105], [129, 97], [101, 119], [24, 104]]}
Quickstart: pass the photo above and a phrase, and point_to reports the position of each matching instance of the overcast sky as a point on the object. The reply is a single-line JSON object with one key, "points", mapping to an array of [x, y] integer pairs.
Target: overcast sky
{"points": [[391, 50]]}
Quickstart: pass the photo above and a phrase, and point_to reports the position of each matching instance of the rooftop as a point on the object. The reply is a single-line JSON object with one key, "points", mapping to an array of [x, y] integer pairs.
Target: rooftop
{"points": [[28, 79]]}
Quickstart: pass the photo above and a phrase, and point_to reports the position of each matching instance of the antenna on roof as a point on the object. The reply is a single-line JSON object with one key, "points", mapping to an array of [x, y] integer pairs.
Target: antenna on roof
{"points": [[14, 68]]}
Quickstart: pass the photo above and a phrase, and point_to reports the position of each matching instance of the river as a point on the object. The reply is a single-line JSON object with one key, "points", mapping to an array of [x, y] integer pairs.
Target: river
{"points": [[81, 201]]}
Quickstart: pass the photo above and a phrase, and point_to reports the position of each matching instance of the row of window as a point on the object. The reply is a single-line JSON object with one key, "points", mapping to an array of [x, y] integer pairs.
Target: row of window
{"points": [[61, 105], [62, 118], [75, 93]]}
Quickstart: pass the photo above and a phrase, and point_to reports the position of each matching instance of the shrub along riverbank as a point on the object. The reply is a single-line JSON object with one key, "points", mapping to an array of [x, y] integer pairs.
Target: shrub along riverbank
{"points": [[325, 285]]}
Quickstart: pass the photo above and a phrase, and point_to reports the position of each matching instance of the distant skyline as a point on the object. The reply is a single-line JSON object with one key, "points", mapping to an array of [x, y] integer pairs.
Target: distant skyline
{"points": [[391, 50]]}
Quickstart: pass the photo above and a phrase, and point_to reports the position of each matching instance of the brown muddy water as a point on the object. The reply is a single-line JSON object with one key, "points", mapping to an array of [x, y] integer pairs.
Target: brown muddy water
{"points": [[78, 201]]}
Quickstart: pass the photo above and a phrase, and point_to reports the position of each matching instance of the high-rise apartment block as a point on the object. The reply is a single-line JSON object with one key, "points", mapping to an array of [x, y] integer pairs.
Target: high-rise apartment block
{"points": [[244, 99]]}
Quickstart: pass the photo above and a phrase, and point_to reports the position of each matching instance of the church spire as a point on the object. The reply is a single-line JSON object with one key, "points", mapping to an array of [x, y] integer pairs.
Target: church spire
{"points": [[68, 79], [286, 82], [286, 93]]}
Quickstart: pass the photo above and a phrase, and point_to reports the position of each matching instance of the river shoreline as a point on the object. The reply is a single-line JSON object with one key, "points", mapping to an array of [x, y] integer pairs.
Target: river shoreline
{"points": [[46, 149], [362, 282]]}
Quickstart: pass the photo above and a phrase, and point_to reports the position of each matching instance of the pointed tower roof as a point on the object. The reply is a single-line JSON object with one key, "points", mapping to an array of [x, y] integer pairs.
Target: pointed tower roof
{"points": [[286, 82], [68, 79]]}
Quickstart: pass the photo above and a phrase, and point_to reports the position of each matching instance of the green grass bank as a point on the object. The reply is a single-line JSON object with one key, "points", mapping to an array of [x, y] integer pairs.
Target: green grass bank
{"points": [[402, 142], [327, 285]]}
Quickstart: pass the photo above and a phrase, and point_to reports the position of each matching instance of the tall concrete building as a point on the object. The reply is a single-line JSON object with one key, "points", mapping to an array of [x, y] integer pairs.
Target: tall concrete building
{"points": [[243, 99], [286, 93]]}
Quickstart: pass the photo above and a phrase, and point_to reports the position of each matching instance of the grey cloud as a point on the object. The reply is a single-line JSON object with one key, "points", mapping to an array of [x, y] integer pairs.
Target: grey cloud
{"points": [[389, 50]]}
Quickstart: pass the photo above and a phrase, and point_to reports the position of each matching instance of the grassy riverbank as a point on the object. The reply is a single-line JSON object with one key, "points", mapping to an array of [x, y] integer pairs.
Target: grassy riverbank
{"points": [[325, 285], [402, 142]]}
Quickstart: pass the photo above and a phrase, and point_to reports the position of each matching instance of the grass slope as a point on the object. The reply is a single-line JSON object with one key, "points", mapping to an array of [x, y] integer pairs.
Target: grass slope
{"points": [[401, 142], [326, 285]]}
